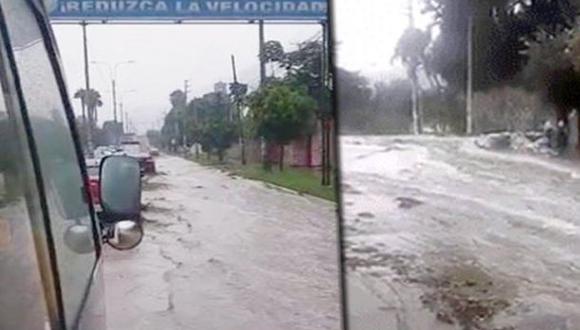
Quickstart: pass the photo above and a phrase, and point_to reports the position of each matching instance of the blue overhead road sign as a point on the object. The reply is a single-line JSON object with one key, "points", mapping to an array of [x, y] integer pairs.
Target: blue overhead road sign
{"points": [[110, 10]]}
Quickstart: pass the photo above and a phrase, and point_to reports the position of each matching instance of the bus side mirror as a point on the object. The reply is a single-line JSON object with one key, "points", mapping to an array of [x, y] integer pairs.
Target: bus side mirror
{"points": [[120, 183]]}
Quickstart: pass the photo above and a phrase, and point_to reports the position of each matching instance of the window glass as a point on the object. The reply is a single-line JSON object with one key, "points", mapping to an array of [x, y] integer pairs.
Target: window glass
{"points": [[61, 173], [22, 303]]}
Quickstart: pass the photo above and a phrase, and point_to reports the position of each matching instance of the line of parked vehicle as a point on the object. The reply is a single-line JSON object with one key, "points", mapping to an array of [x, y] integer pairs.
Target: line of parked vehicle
{"points": [[131, 148]]}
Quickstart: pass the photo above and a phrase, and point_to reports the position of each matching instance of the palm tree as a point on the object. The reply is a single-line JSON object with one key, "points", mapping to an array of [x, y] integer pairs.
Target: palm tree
{"points": [[411, 50], [90, 101]]}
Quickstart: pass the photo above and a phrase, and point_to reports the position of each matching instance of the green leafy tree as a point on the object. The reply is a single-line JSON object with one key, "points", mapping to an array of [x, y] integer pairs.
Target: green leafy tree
{"points": [[175, 120], [304, 69], [206, 121], [218, 131], [282, 113], [354, 94], [273, 51], [307, 69], [219, 135], [502, 31]]}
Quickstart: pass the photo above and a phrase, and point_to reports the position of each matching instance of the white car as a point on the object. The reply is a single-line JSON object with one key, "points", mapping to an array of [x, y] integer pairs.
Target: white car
{"points": [[103, 151]]}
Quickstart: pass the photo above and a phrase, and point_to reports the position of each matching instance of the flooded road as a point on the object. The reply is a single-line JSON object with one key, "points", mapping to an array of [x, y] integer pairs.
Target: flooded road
{"points": [[443, 235], [221, 252]]}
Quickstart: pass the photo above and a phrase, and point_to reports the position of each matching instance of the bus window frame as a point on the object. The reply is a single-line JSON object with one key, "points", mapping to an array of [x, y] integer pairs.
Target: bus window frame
{"points": [[43, 241], [46, 253]]}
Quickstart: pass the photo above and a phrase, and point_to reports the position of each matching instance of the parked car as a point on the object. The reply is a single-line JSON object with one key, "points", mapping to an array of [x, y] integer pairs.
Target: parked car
{"points": [[93, 167], [51, 236], [154, 152], [135, 149]]}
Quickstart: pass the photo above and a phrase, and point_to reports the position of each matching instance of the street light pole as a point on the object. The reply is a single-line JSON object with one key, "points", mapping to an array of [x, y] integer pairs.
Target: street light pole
{"points": [[121, 114], [113, 75], [89, 145], [114, 100]]}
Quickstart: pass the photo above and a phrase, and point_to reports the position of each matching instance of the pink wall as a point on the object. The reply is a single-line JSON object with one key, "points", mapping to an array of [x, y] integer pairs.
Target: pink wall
{"points": [[297, 153]]}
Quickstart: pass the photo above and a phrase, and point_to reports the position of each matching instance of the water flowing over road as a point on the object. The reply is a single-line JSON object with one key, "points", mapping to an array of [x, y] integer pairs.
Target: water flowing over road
{"points": [[222, 252], [443, 235]]}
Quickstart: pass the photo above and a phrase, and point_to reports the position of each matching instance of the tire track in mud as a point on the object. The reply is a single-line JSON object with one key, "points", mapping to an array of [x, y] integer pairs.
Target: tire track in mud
{"points": [[203, 255], [461, 294], [464, 294], [153, 214]]}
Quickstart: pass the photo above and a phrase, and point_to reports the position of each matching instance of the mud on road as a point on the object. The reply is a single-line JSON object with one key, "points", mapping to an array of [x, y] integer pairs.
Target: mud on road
{"points": [[225, 253], [441, 235]]}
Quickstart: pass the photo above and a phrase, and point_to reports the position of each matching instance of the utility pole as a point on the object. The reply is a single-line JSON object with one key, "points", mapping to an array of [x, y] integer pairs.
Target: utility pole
{"points": [[87, 88], [121, 112], [241, 138], [114, 99], [185, 92], [113, 73], [234, 69], [469, 87], [262, 53]]}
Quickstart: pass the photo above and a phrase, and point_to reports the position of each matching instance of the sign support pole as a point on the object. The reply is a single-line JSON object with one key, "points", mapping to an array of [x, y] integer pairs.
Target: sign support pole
{"points": [[262, 55], [114, 86], [323, 117], [87, 89]]}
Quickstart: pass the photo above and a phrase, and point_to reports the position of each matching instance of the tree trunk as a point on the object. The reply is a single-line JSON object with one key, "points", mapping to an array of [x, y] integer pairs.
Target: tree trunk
{"points": [[323, 151], [267, 164], [221, 156], [309, 151], [243, 147], [84, 113], [281, 158]]}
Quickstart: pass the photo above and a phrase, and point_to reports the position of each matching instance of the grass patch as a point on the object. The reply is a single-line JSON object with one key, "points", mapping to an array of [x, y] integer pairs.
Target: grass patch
{"points": [[304, 181]]}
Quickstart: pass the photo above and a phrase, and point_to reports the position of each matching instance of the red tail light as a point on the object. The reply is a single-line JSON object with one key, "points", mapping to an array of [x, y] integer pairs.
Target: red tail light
{"points": [[95, 191]]}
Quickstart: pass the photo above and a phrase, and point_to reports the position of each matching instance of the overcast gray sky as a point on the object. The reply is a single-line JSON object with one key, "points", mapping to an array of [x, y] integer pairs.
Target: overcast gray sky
{"points": [[165, 55]]}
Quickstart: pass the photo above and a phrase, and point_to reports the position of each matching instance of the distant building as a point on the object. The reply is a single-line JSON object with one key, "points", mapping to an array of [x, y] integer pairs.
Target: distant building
{"points": [[220, 87]]}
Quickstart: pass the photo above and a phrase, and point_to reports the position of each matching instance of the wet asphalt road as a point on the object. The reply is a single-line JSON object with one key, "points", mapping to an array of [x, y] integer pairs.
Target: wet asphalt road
{"points": [[443, 235], [225, 253]]}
